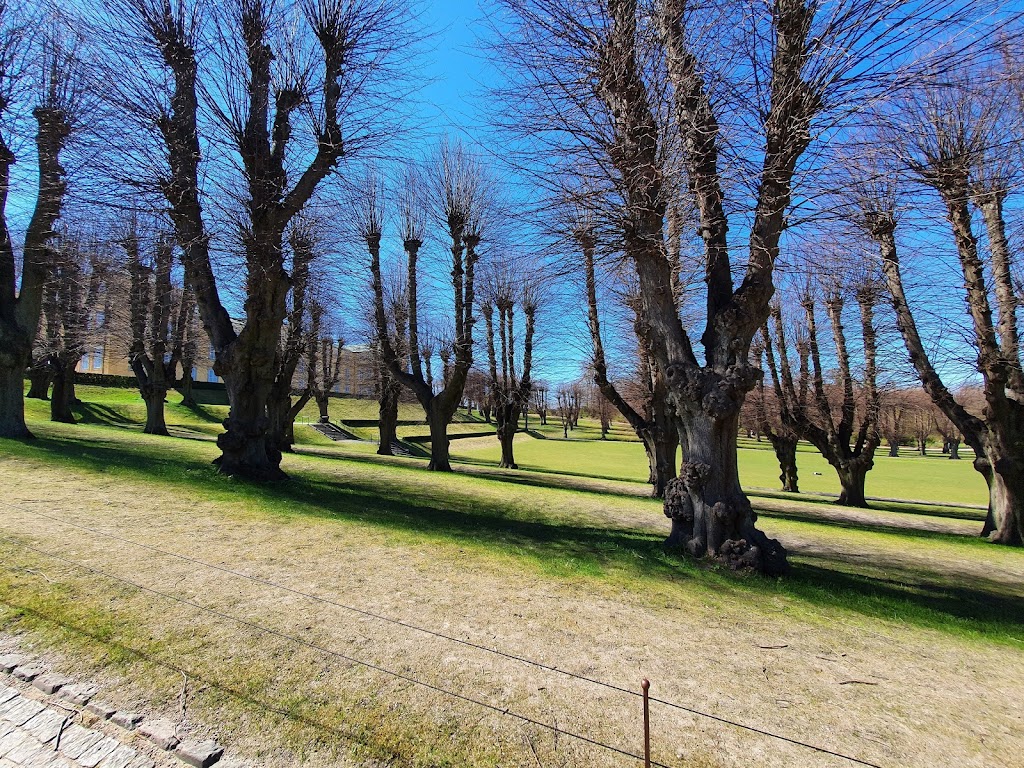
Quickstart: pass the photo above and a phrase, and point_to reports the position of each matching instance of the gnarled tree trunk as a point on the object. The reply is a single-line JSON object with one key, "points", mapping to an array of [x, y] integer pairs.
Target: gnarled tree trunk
{"points": [[710, 513]]}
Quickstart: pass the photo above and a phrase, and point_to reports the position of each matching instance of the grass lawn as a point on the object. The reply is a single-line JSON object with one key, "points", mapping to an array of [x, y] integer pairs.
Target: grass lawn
{"points": [[881, 644], [934, 478]]}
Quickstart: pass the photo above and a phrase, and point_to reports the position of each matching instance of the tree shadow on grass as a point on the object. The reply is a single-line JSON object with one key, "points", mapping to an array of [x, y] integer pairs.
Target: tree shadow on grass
{"points": [[95, 413], [563, 547], [201, 412]]}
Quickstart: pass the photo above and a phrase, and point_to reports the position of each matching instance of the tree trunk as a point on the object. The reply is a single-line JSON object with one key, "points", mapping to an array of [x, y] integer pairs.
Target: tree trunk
{"points": [[245, 447], [785, 452], [39, 377], [387, 422], [661, 447], [1005, 524], [894, 449], [508, 419], [12, 400], [278, 408], [710, 513], [439, 457], [953, 449], [155, 397], [922, 447], [187, 398], [323, 403], [852, 477], [63, 395]]}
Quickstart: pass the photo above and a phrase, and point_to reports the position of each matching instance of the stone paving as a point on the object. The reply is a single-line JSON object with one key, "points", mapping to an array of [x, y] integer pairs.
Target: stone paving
{"points": [[35, 735], [38, 727]]}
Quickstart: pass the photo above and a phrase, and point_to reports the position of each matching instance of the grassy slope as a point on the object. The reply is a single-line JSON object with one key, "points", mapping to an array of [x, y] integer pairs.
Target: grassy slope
{"points": [[540, 508], [599, 536]]}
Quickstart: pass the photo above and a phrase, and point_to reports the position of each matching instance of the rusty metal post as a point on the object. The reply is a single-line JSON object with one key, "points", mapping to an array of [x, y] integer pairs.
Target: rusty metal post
{"points": [[646, 686]]}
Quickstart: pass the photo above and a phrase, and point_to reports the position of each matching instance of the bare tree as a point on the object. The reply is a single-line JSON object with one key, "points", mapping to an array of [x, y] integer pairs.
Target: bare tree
{"points": [[892, 415], [460, 196], [506, 295], [272, 83], [55, 111], [296, 338], [160, 317], [844, 434], [323, 361], [600, 79], [70, 298], [568, 399], [540, 401], [951, 146]]}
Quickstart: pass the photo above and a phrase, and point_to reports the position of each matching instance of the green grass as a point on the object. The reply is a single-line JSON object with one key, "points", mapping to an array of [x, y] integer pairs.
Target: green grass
{"points": [[934, 479], [559, 533]]}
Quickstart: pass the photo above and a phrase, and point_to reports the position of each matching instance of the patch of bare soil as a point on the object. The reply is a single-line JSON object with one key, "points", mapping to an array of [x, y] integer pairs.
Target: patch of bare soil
{"points": [[888, 694]]}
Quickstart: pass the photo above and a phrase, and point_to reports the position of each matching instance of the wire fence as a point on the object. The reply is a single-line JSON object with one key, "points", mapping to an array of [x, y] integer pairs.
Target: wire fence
{"points": [[406, 677]]}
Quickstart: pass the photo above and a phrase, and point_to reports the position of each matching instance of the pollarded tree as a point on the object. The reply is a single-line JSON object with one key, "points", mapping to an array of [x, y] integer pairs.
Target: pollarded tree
{"points": [[540, 401], [844, 431], [507, 295], [892, 417], [71, 295], [596, 81], [568, 401], [30, 46], [459, 195], [389, 388], [315, 64], [160, 319], [952, 138], [324, 359]]}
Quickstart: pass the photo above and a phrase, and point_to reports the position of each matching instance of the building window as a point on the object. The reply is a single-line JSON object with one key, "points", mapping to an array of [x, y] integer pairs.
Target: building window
{"points": [[210, 375], [97, 359], [195, 373], [213, 353]]}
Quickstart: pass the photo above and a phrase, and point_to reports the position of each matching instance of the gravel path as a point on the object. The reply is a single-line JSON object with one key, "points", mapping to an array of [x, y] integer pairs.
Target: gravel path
{"points": [[29, 731]]}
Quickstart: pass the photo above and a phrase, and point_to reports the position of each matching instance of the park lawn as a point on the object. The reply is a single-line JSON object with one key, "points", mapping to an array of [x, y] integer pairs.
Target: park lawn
{"points": [[567, 569], [933, 479]]}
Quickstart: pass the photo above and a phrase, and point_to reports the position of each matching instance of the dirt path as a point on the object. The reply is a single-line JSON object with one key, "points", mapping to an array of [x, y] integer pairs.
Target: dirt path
{"points": [[890, 694]]}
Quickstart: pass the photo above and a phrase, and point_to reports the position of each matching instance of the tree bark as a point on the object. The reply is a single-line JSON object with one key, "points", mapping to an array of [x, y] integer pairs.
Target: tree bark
{"points": [[12, 402], [155, 397], [245, 447], [388, 418], [710, 513], [852, 477], [894, 449], [785, 452], [63, 395], [40, 376], [661, 446], [187, 398], [506, 437], [323, 402], [953, 449], [438, 418]]}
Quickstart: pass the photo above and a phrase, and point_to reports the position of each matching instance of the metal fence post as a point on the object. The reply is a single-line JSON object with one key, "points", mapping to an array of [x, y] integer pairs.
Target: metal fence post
{"points": [[646, 686]]}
